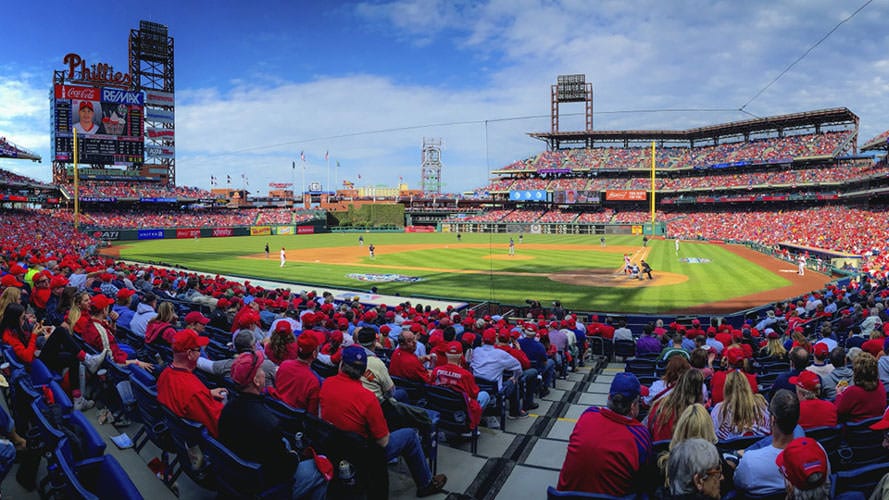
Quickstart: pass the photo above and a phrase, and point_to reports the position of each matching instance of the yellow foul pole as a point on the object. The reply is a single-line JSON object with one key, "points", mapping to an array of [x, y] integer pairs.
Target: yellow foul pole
{"points": [[652, 186], [76, 186]]}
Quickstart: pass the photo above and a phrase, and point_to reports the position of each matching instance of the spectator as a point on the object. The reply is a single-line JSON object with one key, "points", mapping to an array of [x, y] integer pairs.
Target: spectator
{"points": [[295, 383], [281, 345], [182, 392], [662, 386], [536, 353], [160, 330], [675, 349], [621, 445], [867, 397], [757, 472], [774, 348], [695, 470], [622, 332], [663, 415], [454, 376], [123, 307], [694, 422], [734, 360], [799, 360], [349, 406], [490, 363], [813, 412], [405, 363], [144, 313], [223, 367], [252, 432], [647, 343], [805, 468], [742, 413], [821, 366], [842, 375]]}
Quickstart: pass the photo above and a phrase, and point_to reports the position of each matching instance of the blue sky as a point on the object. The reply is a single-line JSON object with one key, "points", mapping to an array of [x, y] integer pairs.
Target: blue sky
{"points": [[258, 82]]}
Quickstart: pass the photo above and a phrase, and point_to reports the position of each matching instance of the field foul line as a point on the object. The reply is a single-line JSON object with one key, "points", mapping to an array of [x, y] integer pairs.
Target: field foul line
{"points": [[638, 255]]}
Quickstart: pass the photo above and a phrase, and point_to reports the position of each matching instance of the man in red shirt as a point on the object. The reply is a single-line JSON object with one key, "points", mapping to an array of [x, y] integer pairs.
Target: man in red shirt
{"points": [[182, 392], [619, 444], [347, 405], [454, 376], [295, 383], [813, 412], [405, 363]]}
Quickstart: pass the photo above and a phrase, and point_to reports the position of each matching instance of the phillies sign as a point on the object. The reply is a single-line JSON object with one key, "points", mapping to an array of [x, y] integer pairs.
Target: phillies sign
{"points": [[101, 73]]}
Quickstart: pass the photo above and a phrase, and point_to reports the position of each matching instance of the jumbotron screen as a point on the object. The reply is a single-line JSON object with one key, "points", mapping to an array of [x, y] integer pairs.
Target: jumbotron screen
{"points": [[109, 124]]}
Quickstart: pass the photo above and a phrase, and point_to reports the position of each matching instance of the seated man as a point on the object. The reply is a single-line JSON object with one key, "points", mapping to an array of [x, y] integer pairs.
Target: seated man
{"points": [[813, 412], [349, 406], [295, 383], [757, 473], [182, 392], [244, 342], [405, 363], [251, 431], [490, 363], [454, 376], [620, 444]]}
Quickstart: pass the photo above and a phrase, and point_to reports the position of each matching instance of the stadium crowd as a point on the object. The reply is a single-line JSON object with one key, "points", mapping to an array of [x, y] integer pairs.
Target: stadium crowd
{"points": [[135, 190]]}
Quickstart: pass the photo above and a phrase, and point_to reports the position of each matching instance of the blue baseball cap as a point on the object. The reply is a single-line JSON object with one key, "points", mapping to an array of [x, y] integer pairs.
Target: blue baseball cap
{"points": [[625, 384], [355, 356]]}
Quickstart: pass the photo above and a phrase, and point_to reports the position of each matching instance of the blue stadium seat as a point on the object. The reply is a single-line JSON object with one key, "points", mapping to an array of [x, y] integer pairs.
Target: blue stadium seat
{"points": [[240, 478], [553, 494], [154, 427], [454, 413], [96, 478], [861, 479]]}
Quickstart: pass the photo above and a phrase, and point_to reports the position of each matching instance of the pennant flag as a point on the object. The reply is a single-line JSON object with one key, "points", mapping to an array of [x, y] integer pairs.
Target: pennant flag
{"points": [[294, 166], [326, 155], [302, 155], [337, 163]]}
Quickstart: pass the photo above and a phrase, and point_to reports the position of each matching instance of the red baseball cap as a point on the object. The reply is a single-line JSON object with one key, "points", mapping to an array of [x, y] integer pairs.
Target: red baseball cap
{"points": [[196, 317], [100, 302], [454, 347], [124, 293], [188, 339], [284, 327], [803, 463], [307, 343], [86, 104], [734, 356], [821, 350], [9, 280], [59, 281], [808, 380], [245, 366], [489, 336]]}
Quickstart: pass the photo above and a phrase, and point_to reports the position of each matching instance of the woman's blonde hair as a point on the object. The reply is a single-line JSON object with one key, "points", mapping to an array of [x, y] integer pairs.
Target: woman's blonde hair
{"points": [[688, 391], [75, 312], [743, 407], [11, 295], [165, 312], [694, 422], [776, 348]]}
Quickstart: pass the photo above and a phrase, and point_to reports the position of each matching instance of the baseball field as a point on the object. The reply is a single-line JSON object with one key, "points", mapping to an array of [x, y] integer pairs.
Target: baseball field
{"points": [[702, 277]]}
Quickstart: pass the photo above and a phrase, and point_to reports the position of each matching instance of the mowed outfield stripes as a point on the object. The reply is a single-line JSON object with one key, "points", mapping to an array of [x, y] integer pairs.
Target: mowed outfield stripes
{"points": [[478, 268]]}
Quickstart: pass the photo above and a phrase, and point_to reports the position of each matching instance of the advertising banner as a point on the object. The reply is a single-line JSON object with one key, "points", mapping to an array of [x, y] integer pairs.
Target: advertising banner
{"points": [[260, 230], [107, 235], [159, 98], [159, 115], [159, 133], [528, 195], [150, 234], [305, 229], [222, 232], [621, 195], [419, 229], [188, 233], [285, 230]]}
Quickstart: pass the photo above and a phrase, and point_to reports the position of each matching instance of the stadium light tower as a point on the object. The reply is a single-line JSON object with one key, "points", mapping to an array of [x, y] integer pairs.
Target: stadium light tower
{"points": [[430, 173]]}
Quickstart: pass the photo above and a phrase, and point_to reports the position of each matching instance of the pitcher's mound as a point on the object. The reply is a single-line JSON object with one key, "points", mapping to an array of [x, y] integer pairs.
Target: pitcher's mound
{"points": [[608, 278]]}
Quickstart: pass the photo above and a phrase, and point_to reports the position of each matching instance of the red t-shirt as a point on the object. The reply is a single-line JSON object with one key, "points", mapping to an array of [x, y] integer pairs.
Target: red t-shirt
{"points": [[816, 413], [855, 404], [297, 385], [407, 365], [619, 445], [717, 385], [185, 395], [347, 405], [660, 432], [22, 351], [90, 333], [460, 379]]}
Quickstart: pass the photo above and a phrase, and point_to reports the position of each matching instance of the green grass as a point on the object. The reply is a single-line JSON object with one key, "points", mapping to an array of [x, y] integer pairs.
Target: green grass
{"points": [[725, 277]]}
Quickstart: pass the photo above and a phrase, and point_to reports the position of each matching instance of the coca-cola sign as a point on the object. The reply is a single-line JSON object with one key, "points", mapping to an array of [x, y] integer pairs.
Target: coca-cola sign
{"points": [[77, 93], [78, 70]]}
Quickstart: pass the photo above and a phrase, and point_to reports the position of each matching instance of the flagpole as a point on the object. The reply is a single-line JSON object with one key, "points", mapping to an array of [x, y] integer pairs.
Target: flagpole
{"points": [[327, 157], [292, 181], [302, 200]]}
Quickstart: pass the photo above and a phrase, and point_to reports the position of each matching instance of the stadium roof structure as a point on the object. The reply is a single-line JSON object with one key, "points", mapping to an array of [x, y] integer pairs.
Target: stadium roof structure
{"points": [[8, 149], [805, 120], [878, 143]]}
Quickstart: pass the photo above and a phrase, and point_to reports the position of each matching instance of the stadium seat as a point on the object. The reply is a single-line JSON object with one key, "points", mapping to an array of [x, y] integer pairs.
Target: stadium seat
{"points": [[415, 390], [553, 494], [291, 420], [454, 413], [861, 479], [188, 437], [866, 445], [154, 427], [497, 406], [641, 367], [239, 478], [96, 478], [624, 348]]}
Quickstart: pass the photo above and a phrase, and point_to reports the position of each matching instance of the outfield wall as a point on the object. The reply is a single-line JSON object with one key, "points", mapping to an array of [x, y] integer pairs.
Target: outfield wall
{"points": [[203, 232], [552, 228]]}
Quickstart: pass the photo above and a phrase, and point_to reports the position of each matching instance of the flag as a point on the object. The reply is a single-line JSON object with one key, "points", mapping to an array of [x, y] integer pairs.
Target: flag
{"points": [[228, 178], [359, 177], [337, 163], [326, 155], [294, 166], [302, 155]]}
